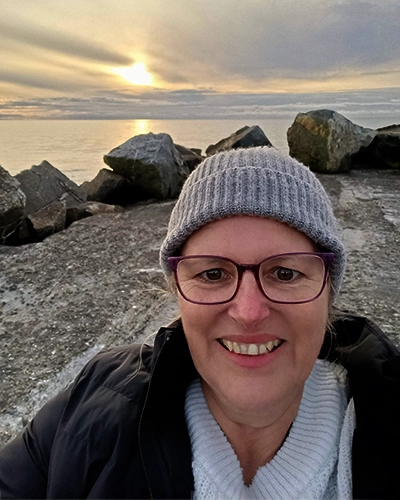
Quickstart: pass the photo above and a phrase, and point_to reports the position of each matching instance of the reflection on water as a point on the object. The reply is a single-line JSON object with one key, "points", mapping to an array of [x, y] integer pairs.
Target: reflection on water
{"points": [[140, 127]]}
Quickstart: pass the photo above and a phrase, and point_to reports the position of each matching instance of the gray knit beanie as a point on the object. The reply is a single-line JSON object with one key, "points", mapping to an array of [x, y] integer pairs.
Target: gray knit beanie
{"points": [[256, 181]]}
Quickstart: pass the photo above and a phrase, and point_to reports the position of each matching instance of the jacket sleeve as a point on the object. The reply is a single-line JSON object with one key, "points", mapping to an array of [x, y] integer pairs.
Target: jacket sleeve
{"points": [[24, 461]]}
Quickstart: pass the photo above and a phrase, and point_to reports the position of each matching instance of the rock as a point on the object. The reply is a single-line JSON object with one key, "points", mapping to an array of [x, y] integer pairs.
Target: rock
{"points": [[383, 152], [245, 137], [48, 220], [387, 146], [90, 208], [12, 204], [111, 188], [191, 157], [152, 163], [197, 151], [44, 184], [25, 233], [325, 140]]}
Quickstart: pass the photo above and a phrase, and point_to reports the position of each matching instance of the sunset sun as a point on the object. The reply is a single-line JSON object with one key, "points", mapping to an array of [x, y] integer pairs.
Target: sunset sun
{"points": [[136, 74]]}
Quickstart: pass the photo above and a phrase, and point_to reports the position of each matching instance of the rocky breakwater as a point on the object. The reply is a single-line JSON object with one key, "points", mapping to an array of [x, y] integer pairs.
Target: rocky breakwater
{"points": [[98, 283], [326, 141], [42, 201]]}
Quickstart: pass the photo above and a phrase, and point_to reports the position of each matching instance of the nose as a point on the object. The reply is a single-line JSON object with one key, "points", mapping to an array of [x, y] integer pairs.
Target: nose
{"points": [[250, 306]]}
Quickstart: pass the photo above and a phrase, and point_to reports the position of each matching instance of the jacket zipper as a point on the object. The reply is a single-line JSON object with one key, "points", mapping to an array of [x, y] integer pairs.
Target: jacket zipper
{"points": [[142, 413]]}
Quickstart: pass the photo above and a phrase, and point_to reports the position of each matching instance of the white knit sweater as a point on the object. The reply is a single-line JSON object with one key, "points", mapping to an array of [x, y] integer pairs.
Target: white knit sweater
{"points": [[314, 462]]}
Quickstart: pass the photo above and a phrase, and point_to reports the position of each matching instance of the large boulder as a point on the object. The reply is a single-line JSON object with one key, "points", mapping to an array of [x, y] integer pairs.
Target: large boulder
{"points": [[387, 146], [44, 184], [325, 140], [47, 221], [190, 157], [246, 137], [383, 152], [12, 204], [152, 163], [111, 188]]}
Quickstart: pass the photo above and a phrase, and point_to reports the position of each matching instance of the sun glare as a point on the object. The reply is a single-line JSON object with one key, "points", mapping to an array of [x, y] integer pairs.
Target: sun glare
{"points": [[137, 74]]}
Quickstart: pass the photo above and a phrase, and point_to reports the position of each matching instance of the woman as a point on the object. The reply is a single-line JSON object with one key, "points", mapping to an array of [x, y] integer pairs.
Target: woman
{"points": [[257, 391]]}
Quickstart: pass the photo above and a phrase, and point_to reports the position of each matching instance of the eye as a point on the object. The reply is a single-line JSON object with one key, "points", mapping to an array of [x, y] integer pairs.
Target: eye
{"points": [[213, 274], [285, 274]]}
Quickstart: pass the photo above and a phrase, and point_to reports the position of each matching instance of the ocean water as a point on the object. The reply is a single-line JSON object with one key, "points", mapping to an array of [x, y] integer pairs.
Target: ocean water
{"points": [[76, 147]]}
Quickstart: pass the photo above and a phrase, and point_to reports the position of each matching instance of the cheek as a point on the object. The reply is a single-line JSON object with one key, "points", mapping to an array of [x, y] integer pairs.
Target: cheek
{"points": [[314, 320], [195, 325], [184, 308], [198, 324], [192, 319], [193, 314]]}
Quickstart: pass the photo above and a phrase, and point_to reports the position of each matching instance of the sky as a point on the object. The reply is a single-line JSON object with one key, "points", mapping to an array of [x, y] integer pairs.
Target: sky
{"points": [[136, 59]]}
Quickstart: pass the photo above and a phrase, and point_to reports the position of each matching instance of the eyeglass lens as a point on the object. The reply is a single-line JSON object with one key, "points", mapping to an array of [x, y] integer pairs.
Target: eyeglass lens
{"points": [[283, 278]]}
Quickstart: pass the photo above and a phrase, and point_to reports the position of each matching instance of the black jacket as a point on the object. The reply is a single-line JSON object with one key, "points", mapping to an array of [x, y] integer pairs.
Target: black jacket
{"points": [[119, 430]]}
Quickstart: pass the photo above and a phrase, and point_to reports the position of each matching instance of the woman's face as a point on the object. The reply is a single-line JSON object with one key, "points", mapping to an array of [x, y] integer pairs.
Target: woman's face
{"points": [[240, 382]]}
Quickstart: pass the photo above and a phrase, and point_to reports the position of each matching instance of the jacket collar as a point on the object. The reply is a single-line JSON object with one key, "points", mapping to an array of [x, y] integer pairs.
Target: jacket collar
{"points": [[163, 437], [373, 367]]}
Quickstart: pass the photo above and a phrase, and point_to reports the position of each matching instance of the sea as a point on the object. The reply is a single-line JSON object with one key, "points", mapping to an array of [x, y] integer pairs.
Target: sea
{"points": [[77, 147]]}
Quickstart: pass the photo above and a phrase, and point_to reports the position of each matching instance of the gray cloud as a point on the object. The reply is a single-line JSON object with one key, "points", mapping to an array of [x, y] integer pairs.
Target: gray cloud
{"points": [[257, 40], [27, 79], [216, 44], [62, 43], [189, 104]]}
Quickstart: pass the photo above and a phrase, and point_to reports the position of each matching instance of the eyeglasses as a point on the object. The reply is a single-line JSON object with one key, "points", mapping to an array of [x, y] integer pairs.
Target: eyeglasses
{"points": [[289, 278]]}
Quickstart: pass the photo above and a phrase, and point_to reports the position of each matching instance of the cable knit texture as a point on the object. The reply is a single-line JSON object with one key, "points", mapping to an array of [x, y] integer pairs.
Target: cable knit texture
{"points": [[314, 462], [261, 182]]}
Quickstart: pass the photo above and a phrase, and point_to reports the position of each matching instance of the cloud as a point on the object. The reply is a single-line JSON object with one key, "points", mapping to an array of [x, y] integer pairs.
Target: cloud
{"points": [[32, 80], [55, 41], [197, 104], [226, 46], [290, 39]]}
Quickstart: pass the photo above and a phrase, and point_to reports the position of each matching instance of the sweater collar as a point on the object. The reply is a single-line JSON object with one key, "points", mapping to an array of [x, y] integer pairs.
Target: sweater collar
{"points": [[307, 459]]}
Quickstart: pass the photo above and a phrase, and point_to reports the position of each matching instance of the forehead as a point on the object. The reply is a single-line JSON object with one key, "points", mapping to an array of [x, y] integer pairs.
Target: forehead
{"points": [[241, 236]]}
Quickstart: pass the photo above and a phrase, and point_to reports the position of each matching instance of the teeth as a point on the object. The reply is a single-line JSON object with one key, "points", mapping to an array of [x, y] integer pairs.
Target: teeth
{"points": [[251, 349]]}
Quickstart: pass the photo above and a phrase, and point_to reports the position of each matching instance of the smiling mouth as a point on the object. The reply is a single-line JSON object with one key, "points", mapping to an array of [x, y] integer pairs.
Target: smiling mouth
{"points": [[251, 349]]}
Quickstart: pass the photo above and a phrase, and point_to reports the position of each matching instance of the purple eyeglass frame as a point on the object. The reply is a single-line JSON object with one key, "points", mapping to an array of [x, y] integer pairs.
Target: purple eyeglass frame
{"points": [[326, 257]]}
